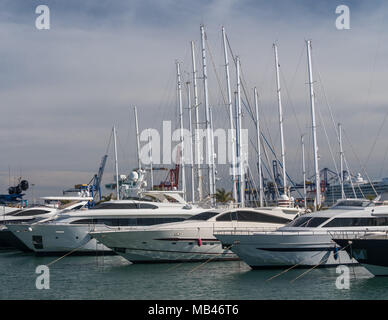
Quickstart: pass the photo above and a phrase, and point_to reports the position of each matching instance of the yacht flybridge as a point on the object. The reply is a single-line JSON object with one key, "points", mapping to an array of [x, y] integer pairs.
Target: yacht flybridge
{"points": [[307, 240], [70, 230], [192, 239]]}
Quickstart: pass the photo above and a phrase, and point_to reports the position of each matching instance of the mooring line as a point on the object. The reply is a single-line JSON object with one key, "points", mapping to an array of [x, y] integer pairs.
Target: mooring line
{"points": [[290, 268], [301, 275], [202, 264], [193, 255], [70, 252]]}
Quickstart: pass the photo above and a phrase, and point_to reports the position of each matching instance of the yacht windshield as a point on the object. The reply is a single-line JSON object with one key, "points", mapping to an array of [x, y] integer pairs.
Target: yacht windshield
{"points": [[307, 222]]}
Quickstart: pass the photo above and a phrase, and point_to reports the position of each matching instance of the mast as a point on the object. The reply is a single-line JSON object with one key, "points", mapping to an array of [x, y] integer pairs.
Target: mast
{"points": [[239, 126], [229, 102], [341, 161], [209, 152], [314, 128], [191, 141], [137, 139], [280, 118], [196, 108], [182, 158], [151, 161], [261, 191], [116, 165], [304, 173]]}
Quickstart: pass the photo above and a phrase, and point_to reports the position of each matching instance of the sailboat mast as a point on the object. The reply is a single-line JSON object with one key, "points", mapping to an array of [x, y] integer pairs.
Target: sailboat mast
{"points": [[341, 176], [151, 161], [304, 173], [229, 102], [137, 139], [314, 127], [280, 118], [196, 108], [116, 164], [182, 158], [191, 142], [209, 152], [239, 146], [261, 191]]}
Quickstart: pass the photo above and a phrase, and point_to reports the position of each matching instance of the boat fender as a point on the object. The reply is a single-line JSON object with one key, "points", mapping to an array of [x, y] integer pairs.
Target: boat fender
{"points": [[199, 241]]}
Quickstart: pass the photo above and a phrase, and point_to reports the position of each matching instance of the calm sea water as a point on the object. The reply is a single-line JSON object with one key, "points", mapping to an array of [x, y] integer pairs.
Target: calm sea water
{"points": [[112, 277]]}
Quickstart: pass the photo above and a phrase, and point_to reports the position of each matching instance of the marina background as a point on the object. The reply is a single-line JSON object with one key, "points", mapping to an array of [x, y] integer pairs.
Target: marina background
{"points": [[63, 88]]}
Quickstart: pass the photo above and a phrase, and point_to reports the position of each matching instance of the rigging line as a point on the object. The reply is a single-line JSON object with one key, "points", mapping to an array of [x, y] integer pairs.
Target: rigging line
{"points": [[328, 141], [337, 133], [216, 74], [384, 160], [351, 182], [362, 167], [110, 139], [377, 137], [242, 78], [290, 101], [328, 104]]}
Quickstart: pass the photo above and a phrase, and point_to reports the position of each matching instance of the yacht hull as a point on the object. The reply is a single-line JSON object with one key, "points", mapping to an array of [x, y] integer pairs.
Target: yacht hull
{"points": [[155, 246], [56, 239], [9, 241], [262, 251], [370, 253]]}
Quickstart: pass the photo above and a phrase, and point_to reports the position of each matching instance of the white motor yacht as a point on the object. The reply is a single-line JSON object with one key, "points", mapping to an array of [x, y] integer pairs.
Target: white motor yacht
{"points": [[192, 239], [307, 240], [70, 230], [34, 214]]}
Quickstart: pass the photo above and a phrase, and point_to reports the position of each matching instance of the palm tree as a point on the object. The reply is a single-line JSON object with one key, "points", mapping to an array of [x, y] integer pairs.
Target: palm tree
{"points": [[223, 197]]}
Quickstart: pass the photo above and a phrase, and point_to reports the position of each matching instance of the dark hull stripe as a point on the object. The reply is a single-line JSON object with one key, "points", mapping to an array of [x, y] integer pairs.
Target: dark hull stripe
{"points": [[182, 260], [76, 253], [272, 267], [172, 251], [186, 239], [298, 249]]}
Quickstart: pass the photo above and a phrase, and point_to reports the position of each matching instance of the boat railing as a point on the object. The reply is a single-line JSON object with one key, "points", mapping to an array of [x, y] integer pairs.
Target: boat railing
{"points": [[359, 234]]}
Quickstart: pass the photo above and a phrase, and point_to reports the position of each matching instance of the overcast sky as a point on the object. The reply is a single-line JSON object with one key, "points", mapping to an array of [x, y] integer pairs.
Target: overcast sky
{"points": [[62, 90]]}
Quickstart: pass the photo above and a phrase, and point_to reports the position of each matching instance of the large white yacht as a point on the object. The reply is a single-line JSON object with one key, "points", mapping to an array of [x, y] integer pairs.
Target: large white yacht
{"points": [[190, 240], [307, 240], [70, 230], [34, 214]]}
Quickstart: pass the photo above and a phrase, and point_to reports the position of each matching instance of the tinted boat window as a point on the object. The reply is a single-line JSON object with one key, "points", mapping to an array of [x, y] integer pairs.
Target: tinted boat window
{"points": [[299, 222], [314, 222], [32, 212], [229, 216], [127, 222], [127, 206], [251, 216], [356, 222], [260, 217], [204, 215]]}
